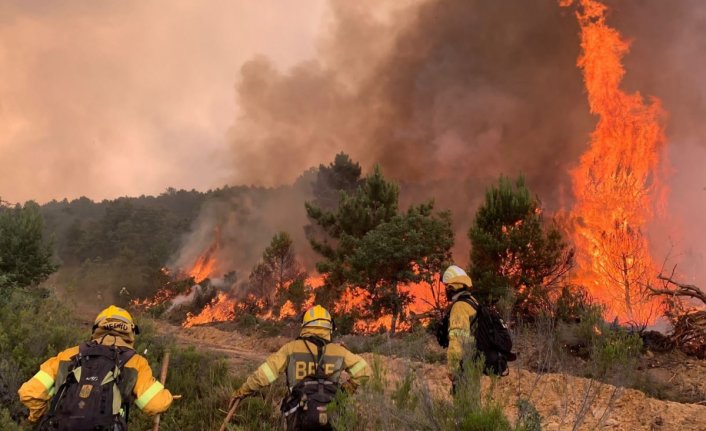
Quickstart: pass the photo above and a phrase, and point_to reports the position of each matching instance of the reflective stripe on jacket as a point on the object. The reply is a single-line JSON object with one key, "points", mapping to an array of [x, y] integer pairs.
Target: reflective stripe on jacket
{"points": [[150, 396], [460, 335]]}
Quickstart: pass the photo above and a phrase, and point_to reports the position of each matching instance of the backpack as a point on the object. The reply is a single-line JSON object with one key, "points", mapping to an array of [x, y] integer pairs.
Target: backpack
{"points": [[306, 407], [91, 397], [493, 339]]}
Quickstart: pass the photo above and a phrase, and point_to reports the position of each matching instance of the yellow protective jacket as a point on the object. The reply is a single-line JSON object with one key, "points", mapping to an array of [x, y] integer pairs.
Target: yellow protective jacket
{"points": [[460, 335], [150, 396], [295, 359]]}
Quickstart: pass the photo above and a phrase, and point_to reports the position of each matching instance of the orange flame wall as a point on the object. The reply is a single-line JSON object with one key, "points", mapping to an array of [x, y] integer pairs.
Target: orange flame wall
{"points": [[618, 182]]}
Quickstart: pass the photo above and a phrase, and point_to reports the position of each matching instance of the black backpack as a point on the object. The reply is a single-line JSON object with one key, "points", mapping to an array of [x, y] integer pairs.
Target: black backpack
{"points": [[91, 396], [306, 407], [492, 336]]}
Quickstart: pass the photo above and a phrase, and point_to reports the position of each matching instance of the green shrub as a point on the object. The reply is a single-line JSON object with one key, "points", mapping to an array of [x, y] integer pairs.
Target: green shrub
{"points": [[616, 348], [569, 306], [418, 345], [411, 406], [528, 418], [33, 327], [6, 422]]}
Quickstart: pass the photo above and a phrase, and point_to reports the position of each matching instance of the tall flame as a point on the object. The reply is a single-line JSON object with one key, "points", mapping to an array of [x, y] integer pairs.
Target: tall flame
{"points": [[618, 184], [205, 264]]}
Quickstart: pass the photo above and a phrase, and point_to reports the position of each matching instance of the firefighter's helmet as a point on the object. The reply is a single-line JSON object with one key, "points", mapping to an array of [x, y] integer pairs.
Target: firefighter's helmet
{"points": [[317, 316], [456, 278]]}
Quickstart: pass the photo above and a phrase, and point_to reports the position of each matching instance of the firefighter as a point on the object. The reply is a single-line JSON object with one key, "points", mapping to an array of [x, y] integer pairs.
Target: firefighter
{"points": [[312, 364], [69, 391], [458, 285]]}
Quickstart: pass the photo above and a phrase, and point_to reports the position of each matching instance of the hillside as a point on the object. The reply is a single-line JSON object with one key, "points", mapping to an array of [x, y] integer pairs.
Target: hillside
{"points": [[561, 399]]}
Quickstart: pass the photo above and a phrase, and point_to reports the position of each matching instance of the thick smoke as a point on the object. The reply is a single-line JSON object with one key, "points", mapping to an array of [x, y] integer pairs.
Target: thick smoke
{"points": [[243, 220], [445, 95], [449, 94]]}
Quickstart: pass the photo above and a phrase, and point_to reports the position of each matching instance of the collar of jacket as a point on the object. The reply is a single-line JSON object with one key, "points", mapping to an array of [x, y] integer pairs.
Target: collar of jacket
{"points": [[316, 331], [110, 334], [458, 296]]}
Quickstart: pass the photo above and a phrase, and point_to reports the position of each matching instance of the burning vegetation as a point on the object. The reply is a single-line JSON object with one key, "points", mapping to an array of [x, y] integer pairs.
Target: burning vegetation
{"points": [[376, 266], [380, 267], [618, 183]]}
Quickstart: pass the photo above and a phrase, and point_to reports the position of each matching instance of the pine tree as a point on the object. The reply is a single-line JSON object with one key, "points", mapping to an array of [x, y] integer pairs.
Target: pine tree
{"points": [[25, 257], [342, 175], [513, 251], [406, 249], [374, 246], [375, 201]]}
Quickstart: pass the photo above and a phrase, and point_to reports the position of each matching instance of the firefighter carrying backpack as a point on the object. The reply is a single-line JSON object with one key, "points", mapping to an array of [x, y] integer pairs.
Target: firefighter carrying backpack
{"points": [[306, 407], [93, 396], [493, 339]]}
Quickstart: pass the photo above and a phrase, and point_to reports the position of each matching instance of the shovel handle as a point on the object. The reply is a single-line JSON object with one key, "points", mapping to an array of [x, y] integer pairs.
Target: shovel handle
{"points": [[230, 414], [163, 379]]}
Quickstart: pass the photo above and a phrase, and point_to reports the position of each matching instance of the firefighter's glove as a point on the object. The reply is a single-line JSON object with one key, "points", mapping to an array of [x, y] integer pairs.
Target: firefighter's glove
{"points": [[349, 387], [237, 395], [234, 399]]}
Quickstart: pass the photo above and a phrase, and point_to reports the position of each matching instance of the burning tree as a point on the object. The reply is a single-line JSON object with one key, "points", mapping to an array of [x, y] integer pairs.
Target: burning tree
{"points": [[514, 252], [278, 277], [617, 183]]}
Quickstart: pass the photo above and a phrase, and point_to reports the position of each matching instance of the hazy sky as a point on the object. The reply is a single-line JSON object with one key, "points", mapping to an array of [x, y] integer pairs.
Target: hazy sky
{"points": [[124, 97]]}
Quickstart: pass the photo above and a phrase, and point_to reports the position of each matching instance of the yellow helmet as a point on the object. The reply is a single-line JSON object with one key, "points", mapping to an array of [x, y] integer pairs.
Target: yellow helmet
{"points": [[317, 316], [456, 278], [115, 313]]}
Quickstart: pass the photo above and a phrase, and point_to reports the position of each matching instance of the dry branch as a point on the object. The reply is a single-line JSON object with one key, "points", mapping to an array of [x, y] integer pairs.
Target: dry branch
{"points": [[680, 289], [689, 332]]}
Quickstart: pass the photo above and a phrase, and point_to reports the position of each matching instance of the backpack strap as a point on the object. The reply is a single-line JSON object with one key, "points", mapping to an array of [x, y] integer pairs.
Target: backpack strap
{"points": [[320, 351], [470, 300], [74, 365]]}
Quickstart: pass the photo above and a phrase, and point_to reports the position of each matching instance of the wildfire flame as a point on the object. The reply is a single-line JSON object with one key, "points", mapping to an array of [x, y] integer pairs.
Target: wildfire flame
{"points": [[617, 185], [205, 264], [220, 309], [618, 182], [225, 308]]}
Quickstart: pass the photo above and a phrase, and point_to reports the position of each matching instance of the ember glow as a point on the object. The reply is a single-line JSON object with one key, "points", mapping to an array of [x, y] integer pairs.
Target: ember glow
{"points": [[618, 183], [205, 264], [226, 308], [221, 309]]}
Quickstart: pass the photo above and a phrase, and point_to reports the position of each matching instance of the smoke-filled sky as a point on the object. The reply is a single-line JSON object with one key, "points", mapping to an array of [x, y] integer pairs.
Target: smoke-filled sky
{"points": [[125, 97], [128, 97]]}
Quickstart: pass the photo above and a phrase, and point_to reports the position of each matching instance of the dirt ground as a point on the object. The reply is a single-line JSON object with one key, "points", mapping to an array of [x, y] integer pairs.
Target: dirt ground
{"points": [[562, 399]]}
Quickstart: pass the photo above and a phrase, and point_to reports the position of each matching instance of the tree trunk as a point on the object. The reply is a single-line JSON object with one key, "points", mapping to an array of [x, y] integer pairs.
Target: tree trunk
{"points": [[626, 285], [395, 310]]}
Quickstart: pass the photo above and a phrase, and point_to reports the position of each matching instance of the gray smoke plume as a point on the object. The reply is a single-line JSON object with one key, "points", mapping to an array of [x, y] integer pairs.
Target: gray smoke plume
{"points": [[445, 95], [448, 94]]}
